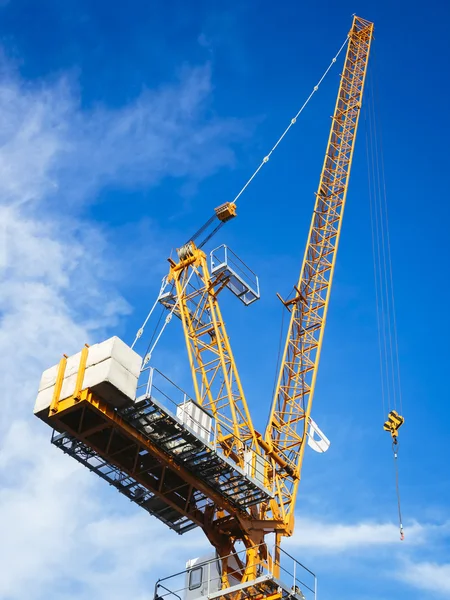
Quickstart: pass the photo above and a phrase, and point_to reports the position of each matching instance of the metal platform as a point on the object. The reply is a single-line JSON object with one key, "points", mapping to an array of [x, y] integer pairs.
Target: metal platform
{"points": [[190, 448], [263, 586], [127, 484], [154, 457], [240, 279], [287, 579]]}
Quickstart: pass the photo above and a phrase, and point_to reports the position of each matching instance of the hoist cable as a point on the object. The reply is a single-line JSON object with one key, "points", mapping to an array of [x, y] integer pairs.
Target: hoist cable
{"points": [[219, 226], [202, 229], [384, 285], [397, 489], [166, 322], [386, 266], [382, 260], [386, 280], [395, 357], [142, 328], [161, 314], [375, 266], [380, 283]]}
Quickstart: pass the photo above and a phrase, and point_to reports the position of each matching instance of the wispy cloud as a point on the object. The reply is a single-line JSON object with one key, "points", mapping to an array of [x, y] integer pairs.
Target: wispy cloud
{"points": [[322, 537], [427, 576], [51, 148], [62, 530]]}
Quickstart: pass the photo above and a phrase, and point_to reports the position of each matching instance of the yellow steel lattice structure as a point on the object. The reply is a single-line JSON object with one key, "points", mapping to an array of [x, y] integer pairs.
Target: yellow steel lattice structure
{"points": [[136, 457], [216, 380], [289, 419]]}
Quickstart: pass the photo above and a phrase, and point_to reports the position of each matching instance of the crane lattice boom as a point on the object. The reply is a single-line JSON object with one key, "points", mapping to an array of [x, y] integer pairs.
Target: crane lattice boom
{"points": [[289, 419]]}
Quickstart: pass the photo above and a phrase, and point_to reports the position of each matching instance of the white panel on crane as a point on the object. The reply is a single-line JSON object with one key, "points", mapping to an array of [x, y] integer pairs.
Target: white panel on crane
{"points": [[195, 417], [112, 372], [255, 466]]}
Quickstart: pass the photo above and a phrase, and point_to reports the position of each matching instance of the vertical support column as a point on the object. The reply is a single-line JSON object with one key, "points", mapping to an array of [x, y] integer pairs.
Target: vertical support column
{"points": [[81, 372], [58, 384], [276, 556]]}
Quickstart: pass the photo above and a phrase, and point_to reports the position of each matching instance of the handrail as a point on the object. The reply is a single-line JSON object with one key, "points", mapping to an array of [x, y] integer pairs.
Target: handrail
{"points": [[268, 568], [150, 383]]}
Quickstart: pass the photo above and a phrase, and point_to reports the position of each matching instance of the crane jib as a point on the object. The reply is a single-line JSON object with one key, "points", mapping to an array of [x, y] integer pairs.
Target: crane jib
{"points": [[291, 409]]}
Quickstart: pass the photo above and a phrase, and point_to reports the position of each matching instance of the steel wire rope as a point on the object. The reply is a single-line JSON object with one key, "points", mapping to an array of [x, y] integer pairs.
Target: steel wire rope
{"points": [[397, 488], [380, 281], [264, 161], [161, 314], [166, 322], [372, 201], [396, 356], [383, 274], [384, 225], [266, 158], [140, 331]]}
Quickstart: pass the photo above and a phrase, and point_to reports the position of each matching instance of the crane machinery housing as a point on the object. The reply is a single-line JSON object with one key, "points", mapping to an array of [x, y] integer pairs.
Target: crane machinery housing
{"points": [[197, 460]]}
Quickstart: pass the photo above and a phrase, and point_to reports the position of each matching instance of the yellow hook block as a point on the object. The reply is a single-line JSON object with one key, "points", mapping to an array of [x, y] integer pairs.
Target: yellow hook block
{"points": [[393, 423]]}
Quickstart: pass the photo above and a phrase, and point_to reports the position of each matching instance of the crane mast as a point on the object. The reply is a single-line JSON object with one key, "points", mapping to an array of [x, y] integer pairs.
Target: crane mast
{"points": [[289, 421]]}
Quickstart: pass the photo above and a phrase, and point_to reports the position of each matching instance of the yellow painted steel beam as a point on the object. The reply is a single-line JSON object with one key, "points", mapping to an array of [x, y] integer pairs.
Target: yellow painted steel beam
{"points": [[216, 380], [289, 419], [74, 415]]}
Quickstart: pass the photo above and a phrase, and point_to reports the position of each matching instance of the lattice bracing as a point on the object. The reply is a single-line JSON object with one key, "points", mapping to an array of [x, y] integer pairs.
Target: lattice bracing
{"points": [[216, 381], [291, 409]]}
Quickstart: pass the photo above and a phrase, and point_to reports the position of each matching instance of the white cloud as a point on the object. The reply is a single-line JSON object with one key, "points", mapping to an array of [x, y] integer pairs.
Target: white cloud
{"points": [[64, 534], [321, 537], [49, 147], [427, 576], [161, 133]]}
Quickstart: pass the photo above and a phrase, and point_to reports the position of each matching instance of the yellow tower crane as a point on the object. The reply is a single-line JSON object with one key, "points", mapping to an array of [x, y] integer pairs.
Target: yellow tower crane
{"points": [[199, 461]]}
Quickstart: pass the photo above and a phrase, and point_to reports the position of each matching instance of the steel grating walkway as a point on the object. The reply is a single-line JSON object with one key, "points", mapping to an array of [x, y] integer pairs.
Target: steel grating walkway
{"points": [[188, 449], [119, 455], [126, 484]]}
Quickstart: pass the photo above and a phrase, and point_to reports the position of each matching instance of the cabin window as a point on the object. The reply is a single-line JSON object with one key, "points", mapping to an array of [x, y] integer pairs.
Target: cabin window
{"points": [[195, 578]]}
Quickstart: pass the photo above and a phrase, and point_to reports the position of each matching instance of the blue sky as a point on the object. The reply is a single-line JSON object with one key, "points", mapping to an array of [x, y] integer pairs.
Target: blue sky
{"points": [[122, 125]]}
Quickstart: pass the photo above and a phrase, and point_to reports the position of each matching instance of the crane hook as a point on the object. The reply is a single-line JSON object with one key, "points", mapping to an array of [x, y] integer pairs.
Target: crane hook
{"points": [[393, 424]]}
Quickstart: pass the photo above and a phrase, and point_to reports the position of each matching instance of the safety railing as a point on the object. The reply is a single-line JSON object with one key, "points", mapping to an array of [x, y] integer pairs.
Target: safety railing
{"points": [[296, 575], [156, 386], [242, 281], [203, 578]]}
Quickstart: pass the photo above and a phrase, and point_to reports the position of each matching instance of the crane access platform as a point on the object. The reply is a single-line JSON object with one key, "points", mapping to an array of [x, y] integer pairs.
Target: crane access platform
{"points": [[159, 449]]}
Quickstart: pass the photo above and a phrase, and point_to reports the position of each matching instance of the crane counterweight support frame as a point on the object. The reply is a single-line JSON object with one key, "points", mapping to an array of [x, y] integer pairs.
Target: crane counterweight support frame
{"points": [[291, 409]]}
